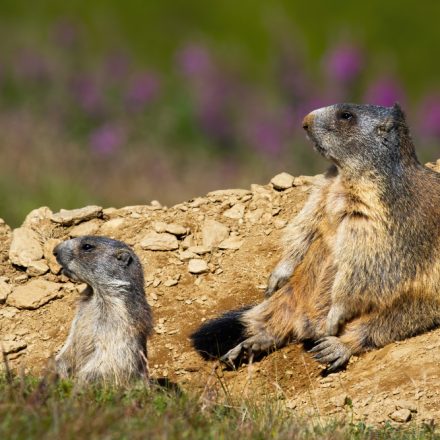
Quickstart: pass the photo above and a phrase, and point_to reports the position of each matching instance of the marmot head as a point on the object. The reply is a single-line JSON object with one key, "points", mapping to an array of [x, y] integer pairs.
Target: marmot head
{"points": [[360, 137], [100, 262]]}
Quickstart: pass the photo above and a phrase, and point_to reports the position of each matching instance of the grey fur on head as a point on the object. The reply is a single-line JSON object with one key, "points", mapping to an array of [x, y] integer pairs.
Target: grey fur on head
{"points": [[108, 336], [360, 138]]}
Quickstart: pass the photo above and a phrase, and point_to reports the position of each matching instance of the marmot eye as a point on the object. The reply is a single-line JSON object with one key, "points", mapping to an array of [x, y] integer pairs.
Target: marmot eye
{"points": [[346, 116], [87, 247]]}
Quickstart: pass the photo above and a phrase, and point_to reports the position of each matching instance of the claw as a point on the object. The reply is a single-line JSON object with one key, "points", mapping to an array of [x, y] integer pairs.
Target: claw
{"points": [[330, 350]]}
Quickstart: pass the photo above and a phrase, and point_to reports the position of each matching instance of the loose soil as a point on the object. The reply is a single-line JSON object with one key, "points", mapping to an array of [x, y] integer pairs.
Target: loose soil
{"points": [[377, 387]]}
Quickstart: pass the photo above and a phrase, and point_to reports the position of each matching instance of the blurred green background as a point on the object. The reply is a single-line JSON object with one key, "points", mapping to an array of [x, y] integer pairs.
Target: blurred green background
{"points": [[121, 102]]}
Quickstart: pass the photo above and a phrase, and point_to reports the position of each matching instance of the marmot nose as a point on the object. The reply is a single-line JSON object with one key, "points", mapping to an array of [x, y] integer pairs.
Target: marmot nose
{"points": [[308, 121], [56, 250]]}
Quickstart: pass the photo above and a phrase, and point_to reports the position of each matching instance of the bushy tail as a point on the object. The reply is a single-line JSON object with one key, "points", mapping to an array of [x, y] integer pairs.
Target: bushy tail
{"points": [[219, 335]]}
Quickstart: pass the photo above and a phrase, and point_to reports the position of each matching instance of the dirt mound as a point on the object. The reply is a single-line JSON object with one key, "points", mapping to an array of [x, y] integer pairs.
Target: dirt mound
{"points": [[200, 258]]}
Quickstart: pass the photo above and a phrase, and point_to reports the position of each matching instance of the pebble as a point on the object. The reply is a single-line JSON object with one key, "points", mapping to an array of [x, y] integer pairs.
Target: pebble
{"points": [[197, 266], [282, 181], [229, 192], [236, 212], [111, 226], [213, 233], [36, 215], [171, 282], [199, 250], [37, 268], [154, 241], [186, 255], [51, 261], [87, 228], [13, 346], [401, 415], [34, 294], [5, 290], [231, 243], [68, 217], [8, 312], [25, 247], [305, 180], [171, 228], [254, 216]]}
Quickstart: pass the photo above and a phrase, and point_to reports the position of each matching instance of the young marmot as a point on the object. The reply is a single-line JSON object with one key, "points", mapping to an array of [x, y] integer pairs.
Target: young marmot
{"points": [[108, 337], [361, 264]]}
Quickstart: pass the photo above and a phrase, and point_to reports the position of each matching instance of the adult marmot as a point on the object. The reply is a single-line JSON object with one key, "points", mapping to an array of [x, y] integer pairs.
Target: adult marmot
{"points": [[361, 264], [108, 336]]}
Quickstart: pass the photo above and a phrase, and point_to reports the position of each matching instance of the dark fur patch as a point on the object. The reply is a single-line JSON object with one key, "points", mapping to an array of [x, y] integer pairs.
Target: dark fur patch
{"points": [[219, 335]]}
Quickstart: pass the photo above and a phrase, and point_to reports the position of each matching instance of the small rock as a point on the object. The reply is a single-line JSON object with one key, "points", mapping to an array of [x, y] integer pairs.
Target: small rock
{"points": [[34, 294], [8, 312], [213, 233], [68, 217], [48, 248], [12, 346], [197, 266], [232, 243], [36, 215], [187, 242], [25, 247], [303, 180], [282, 181], [197, 202], [170, 283], [401, 415], [254, 216], [156, 204], [405, 404], [87, 228], [111, 226], [291, 404], [229, 192], [172, 228], [5, 290], [199, 250], [340, 401], [236, 212], [280, 223], [37, 268], [186, 255], [159, 242]]}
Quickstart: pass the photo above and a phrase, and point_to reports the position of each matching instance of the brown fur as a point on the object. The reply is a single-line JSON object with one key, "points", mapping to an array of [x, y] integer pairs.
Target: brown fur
{"points": [[361, 264]]}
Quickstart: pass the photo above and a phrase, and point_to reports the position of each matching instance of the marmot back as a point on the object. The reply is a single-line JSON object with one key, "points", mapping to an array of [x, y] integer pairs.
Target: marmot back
{"points": [[108, 336], [361, 261]]}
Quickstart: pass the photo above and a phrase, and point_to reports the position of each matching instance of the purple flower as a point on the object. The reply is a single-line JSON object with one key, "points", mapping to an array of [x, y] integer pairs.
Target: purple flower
{"points": [[384, 91], [30, 65], [66, 33], [143, 89], [429, 115], [87, 94], [194, 60], [344, 63], [106, 139], [267, 130], [117, 65]]}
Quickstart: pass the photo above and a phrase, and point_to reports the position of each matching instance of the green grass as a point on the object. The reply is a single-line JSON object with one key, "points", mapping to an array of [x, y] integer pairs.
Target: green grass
{"points": [[32, 408]]}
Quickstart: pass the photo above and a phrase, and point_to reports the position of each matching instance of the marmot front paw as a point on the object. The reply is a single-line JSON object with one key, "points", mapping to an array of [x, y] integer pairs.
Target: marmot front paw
{"points": [[332, 351]]}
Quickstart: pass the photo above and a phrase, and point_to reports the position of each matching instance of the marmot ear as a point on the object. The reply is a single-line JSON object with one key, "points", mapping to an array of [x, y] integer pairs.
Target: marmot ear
{"points": [[124, 256], [398, 113]]}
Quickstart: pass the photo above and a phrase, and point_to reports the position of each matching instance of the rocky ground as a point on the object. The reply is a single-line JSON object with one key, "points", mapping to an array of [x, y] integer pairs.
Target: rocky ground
{"points": [[203, 257]]}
